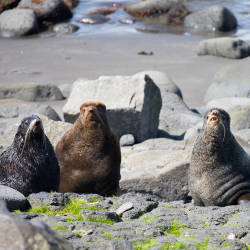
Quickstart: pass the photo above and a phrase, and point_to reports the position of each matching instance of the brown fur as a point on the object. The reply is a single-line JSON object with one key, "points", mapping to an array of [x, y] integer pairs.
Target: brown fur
{"points": [[89, 154]]}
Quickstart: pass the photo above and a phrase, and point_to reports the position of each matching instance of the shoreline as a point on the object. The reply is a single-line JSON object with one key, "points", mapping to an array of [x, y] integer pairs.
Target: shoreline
{"points": [[64, 59]]}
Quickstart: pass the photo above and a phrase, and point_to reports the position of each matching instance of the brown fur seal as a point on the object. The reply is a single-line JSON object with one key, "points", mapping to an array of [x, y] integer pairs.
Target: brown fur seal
{"points": [[89, 154], [29, 165], [219, 173]]}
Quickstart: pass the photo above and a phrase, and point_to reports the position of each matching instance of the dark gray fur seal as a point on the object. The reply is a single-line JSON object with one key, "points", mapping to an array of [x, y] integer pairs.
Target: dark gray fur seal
{"points": [[219, 173], [30, 165]]}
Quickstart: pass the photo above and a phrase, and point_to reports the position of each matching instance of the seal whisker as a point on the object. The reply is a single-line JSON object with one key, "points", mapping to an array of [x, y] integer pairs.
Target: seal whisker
{"points": [[27, 136]]}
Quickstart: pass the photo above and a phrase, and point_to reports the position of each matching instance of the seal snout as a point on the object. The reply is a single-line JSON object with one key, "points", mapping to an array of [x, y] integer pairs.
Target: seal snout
{"points": [[36, 124], [213, 117]]}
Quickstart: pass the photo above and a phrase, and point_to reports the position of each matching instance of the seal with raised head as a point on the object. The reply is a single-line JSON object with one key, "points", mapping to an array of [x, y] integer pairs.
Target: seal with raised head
{"points": [[219, 173], [30, 165], [89, 154]]}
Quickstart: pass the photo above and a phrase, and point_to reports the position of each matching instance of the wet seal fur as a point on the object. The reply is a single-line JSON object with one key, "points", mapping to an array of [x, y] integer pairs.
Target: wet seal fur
{"points": [[219, 173], [30, 165], [89, 154]]}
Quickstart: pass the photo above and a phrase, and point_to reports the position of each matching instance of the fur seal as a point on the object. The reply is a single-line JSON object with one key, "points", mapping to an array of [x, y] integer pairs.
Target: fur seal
{"points": [[219, 173], [89, 154], [29, 165]]}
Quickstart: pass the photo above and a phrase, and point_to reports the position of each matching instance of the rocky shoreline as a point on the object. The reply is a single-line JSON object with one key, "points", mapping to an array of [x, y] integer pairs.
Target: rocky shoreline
{"points": [[133, 221]]}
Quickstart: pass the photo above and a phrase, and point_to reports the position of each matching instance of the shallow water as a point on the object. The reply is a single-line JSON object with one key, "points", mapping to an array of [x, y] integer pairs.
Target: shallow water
{"points": [[241, 9]]}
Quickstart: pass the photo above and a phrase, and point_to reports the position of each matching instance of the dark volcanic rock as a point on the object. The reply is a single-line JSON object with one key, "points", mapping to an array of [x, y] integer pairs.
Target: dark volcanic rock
{"points": [[149, 224], [48, 10], [46, 199], [170, 12], [17, 233], [18, 22], [215, 18]]}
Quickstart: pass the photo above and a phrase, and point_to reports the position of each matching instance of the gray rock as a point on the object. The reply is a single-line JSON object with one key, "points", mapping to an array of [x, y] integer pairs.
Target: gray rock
{"points": [[140, 206], [100, 215], [46, 199], [120, 245], [13, 109], [163, 81], [135, 103], [48, 10], [65, 89], [31, 92], [158, 11], [142, 172], [14, 199], [176, 117], [230, 81], [18, 22], [127, 140], [94, 19], [194, 131], [244, 134], [237, 107], [124, 207], [49, 112], [215, 18], [26, 235], [65, 28], [229, 47]]}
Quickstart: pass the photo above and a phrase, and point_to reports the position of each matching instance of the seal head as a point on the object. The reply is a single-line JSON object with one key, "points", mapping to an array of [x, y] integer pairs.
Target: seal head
{"points": [[219, 172], [29, 165], [89, 154]]}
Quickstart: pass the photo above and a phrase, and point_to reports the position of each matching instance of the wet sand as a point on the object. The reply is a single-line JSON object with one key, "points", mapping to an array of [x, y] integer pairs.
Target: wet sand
{"points": [[60, 60]]}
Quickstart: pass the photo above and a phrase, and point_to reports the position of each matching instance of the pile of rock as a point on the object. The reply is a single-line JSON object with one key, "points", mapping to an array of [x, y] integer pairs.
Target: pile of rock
{"points": [[126, 222], [33, 16], [30, 17]]}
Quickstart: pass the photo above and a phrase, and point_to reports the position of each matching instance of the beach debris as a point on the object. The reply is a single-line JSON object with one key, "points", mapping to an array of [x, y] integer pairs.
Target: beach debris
{"points": [[144, 53]]}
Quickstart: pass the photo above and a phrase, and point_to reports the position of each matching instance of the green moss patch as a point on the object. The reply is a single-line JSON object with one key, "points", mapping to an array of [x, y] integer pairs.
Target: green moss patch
{"points": [[92, 200], [203, 245], [227, 244], [176, 228], [107, 235], [59, 228], [100, 220], [176, 245], [144, 245], [148, 219], [73, 207]]}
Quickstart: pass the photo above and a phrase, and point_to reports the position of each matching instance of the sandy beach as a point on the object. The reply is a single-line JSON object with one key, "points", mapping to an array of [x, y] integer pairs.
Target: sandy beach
{"points": [[63, 59]]}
